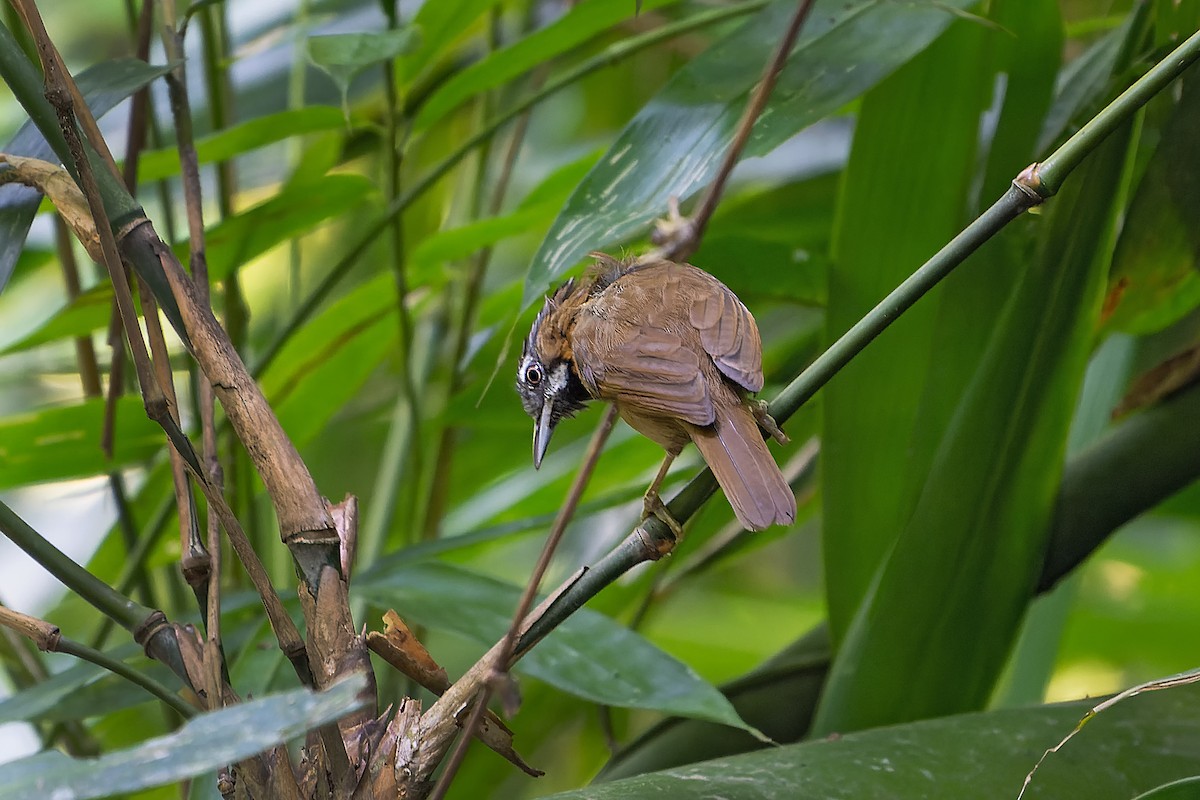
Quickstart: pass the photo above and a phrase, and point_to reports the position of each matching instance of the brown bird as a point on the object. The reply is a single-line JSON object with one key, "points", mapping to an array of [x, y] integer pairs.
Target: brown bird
{"points": [[678, 354]]}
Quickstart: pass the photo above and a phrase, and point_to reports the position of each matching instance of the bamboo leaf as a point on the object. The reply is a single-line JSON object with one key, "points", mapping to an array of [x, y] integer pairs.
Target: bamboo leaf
{"points": [[438, 24], [297, 210], [872, 464], [967, 757], [959, 576], [64, 442], [230, 243], [674, 144], [203, 744], [103, 87], [577, 26], [242, 138], [590, 656]]}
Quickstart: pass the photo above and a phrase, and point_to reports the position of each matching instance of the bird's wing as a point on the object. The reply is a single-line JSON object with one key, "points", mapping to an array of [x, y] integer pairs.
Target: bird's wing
{"points": [[727, 330], [647, 368]]}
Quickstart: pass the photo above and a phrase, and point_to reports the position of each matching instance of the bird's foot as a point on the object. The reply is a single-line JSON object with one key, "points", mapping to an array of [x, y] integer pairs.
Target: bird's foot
{"points": [[653, 506], [765, 421], [675, 231]]}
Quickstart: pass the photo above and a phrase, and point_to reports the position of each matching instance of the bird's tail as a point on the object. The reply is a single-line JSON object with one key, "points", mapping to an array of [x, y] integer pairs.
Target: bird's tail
{"points": [[734, 448]]}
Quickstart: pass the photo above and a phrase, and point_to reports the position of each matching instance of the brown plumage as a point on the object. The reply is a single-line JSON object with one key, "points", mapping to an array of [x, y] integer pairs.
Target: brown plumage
{"points": [[678, 353]]}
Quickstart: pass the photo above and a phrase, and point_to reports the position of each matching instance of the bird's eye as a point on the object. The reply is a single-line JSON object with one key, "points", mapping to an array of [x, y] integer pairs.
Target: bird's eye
{"points": [[533, 375]]}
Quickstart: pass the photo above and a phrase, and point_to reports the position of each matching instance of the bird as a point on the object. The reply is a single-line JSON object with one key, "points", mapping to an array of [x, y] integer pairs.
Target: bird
{"points": [[680, 356]]}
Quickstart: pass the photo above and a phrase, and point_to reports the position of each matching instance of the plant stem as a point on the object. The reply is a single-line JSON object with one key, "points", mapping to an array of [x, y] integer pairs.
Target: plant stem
{"points": [[507, 652], [1031, 187], [99, 594]]}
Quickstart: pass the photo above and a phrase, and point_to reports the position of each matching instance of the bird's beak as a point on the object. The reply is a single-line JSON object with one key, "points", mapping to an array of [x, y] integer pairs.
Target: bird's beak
{"points": [[541, 432]]}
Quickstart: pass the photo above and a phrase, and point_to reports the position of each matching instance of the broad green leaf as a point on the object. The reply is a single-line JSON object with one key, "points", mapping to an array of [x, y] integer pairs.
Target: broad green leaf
{"points": [[323, 366], [235, 240], [967, 757], [578, 25], [63, 442], [773, 243], [88, 312], [438, 25], [244, 137], [461, 242], [341, 56], [1185, 789], [869, 472], [203, 744], [590, 655], [941, 614], [103, 86], [1154, 280], [675, 143], [36, 702], [230, 244]]}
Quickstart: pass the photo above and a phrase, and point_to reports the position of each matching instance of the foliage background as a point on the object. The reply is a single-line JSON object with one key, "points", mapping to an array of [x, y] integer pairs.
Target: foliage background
{"points": [[810, 235]]}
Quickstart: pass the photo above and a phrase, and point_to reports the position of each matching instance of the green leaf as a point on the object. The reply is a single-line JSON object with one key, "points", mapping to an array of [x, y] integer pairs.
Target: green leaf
{"points": [[203, 744], [1185, 789], [42, 699], [439, 24], [870, 473], [564, 35], [942, 612], [783, 232], [297, 210], [63, 442], [88, 312], [326, 362], [103, 87], [675, 143], [243, 138], [589, 656], [341, 56], [1154, 281], [967, 757], [231, 243], [461, 242]]}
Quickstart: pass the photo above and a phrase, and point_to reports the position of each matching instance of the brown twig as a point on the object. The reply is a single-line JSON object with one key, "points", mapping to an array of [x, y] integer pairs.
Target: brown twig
{"points": [[201, 563], [498, 660], [60, 91], [681, 237]]}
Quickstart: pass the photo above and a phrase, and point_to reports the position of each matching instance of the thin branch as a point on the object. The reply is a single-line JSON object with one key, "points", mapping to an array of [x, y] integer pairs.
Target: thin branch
{"points": [[60, 91], [197, 555], [683, 236], [499, 659], [49, 638]]}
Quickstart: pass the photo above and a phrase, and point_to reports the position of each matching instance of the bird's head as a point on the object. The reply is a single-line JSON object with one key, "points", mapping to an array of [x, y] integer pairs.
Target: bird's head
{"points": [[547, 378]]}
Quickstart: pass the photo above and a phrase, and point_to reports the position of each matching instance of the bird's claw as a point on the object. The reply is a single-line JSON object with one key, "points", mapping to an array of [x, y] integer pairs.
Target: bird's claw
{"points": [[676, 228], [653, 506], [765, 421]]}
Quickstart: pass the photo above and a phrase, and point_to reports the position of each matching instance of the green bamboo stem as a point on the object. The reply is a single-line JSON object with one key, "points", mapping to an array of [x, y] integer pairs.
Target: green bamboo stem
{"points": [[1035, 184], [120, 668], [99, 594], [1055, 168]]}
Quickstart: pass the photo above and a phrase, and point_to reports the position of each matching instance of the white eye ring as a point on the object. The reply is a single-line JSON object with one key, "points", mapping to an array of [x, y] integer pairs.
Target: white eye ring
{"points": [[533, 375]]}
